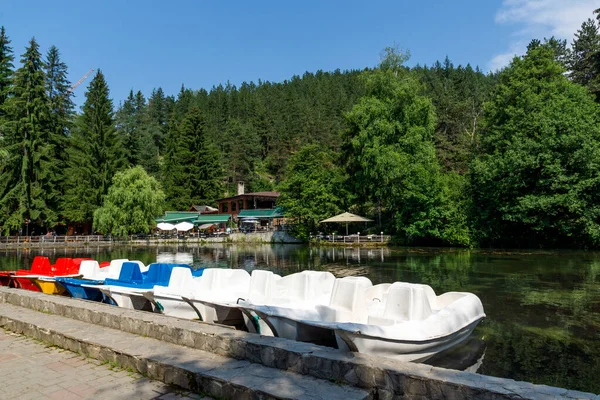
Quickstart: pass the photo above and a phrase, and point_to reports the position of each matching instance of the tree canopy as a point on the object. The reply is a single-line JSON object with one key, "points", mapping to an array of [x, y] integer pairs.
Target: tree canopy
{"points": [[95, 154], [536, 181], [133, 201], [391, 156], [313, 188]]}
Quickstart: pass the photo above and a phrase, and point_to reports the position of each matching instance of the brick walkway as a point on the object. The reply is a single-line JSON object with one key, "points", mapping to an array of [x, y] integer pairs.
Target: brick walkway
{"points": [[33, 370]]}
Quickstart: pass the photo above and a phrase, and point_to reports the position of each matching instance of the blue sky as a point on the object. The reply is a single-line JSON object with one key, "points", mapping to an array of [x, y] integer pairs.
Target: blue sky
{"points": [[145, 44]]}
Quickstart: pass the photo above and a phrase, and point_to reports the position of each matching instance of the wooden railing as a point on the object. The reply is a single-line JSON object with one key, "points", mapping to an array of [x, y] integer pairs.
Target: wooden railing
{"points": [[55, 239]]}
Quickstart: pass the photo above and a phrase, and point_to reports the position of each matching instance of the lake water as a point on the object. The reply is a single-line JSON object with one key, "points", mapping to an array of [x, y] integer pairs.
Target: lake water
{"points": [[543, 308]]}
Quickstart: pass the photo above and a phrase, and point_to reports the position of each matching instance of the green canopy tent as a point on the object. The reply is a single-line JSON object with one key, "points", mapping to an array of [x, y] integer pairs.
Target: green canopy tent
{"points": [[347, 218]]}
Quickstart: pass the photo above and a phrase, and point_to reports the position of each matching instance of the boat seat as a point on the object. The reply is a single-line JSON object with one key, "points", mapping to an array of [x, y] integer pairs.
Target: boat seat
{"points": [[303, 289], [143, 268], [348, 301], [405, 302], [77, 263], [41, 265], [62, 266], [114, 269], [376, 296], [219, 279], [90, 269], [261, 285], [160, 274], [130, 273], [181, 282]]}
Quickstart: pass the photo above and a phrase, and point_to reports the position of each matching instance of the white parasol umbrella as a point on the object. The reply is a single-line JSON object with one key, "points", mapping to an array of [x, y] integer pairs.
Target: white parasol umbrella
{"points": [[165, 226], [184, 226], [347, 217]]}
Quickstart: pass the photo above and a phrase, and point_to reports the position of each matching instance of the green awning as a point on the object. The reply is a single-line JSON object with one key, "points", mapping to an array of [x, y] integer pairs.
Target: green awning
{"points": [[212, 219], [262, 213], [174, 217]]}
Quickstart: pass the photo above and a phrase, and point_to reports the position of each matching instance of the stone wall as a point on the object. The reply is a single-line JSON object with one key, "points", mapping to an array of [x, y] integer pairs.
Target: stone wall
{"points": [[385, 378]]}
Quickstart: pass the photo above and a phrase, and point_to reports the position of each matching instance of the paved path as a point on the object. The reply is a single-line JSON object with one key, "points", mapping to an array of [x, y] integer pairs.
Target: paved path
{"points": [[33, 370]]}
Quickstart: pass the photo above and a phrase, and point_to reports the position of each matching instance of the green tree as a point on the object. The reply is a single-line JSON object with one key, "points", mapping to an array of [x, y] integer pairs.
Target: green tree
{"points": [[6, 70], [133, 201], [538, 179], [390, 155], [26, 180], [192, 169], [584, 64], [240, 146], [94, 156], [61, 115], [128, 128], [313, 188], [458, 94]]}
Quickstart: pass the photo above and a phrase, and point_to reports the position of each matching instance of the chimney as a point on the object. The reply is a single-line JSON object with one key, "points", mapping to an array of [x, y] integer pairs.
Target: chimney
{"points": [[240, 188]]}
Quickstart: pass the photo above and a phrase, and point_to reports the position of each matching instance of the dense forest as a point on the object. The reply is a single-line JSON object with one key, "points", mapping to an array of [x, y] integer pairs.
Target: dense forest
{"points": [[436, 155]]}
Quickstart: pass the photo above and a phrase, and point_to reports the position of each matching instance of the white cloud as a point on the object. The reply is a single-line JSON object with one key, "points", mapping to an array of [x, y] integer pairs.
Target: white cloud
{"points": [[539, 19], [500, 61]]}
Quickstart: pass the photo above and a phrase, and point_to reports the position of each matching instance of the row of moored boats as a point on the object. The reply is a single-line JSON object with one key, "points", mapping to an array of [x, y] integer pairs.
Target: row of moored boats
{"points": [[400, 320]]}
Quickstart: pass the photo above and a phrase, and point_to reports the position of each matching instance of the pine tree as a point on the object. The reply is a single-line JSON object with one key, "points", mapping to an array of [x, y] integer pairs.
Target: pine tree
{"points": [[157, 116], [94, 156], [192, 173], [127, 129], [26, 179], [585, 59], [61, 113], [6, 72], [6, 69]]}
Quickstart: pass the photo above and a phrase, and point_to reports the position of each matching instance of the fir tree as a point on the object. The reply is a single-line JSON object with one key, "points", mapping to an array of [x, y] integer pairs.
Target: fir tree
{"points": [[127, 129], [585, 59], [6, 68], [26, 179], [193, 173], [61, 112], [95, 154]]}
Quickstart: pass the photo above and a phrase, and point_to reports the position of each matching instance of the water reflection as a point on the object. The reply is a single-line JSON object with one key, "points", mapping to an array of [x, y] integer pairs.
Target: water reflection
{"points": [[543, 308]]}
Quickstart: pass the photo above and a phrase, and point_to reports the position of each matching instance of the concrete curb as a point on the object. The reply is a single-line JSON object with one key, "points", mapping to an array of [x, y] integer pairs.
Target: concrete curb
{"points": [[387, 378]]}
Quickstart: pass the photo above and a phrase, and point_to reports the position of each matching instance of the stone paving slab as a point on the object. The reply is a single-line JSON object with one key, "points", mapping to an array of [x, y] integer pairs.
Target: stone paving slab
{"points": [[33, 370], [192, 369]]}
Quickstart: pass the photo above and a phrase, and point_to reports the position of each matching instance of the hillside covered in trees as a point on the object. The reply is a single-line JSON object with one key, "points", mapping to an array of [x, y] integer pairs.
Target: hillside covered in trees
{"points": [[437, 155]]}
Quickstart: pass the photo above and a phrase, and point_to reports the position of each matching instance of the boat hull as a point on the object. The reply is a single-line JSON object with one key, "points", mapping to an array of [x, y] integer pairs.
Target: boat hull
{"points": [[129, 300], [82, 292], [295, 330], [48, 286], [415, 351], [23, 283], [172, 306]]}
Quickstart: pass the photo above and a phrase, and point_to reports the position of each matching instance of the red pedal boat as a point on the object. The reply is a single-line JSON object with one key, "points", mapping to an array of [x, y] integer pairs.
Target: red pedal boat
{"points": [[41, 267]]}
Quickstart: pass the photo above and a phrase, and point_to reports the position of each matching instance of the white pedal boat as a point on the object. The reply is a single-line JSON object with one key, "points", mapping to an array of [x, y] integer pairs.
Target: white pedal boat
{"points": [[219, 292], [301, 292], [403, 321], [168, 299], [219, 286]]}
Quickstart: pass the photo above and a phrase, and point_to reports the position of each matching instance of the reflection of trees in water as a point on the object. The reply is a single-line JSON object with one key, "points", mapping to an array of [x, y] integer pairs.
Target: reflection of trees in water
{"points": [[514, 351], [571, 298], [444, 272]]}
